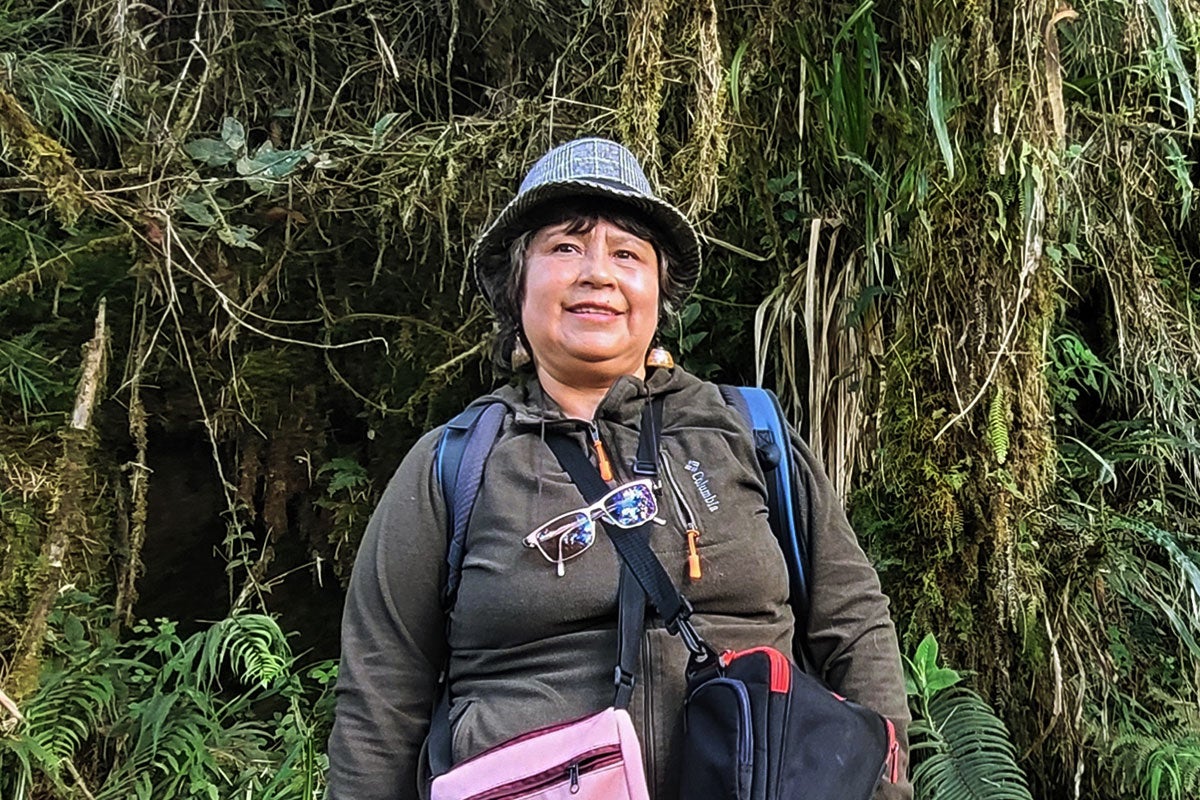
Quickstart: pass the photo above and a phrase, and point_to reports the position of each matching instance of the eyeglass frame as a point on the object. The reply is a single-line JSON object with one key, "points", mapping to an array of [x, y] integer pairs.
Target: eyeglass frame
{"points": [[592, 512]]}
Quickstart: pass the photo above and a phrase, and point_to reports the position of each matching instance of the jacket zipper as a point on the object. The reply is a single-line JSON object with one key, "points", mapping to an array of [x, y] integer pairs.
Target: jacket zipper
{"points": [[689, 521], [647, 678], [569, 772], [606, 470]]}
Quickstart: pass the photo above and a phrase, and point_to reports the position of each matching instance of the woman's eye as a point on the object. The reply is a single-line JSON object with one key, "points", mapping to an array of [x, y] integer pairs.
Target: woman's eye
{"points": [[563, 247], [625, 254]]}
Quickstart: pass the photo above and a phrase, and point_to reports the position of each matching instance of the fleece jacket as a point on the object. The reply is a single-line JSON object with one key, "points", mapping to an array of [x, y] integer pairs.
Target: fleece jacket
{"points": [[525, 648]]}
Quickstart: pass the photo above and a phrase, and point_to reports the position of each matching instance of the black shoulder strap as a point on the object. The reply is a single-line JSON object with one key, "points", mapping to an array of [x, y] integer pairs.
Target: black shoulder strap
{"points": [[462, 452], [461, 455], [632, 544]]}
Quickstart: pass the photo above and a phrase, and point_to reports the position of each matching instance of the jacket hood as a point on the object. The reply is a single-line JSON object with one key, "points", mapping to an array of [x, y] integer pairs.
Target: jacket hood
{"points": [[531, 405]]}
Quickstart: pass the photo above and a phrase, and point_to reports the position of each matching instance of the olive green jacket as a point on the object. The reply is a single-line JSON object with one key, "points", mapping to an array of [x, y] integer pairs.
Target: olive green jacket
{"points": [[525, 648]]}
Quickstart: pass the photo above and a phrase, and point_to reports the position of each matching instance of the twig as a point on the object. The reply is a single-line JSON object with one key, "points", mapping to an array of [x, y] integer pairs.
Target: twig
{"points": [[8, 705], [93, 374], [1146, 127], [78, 778], [138, 475]]}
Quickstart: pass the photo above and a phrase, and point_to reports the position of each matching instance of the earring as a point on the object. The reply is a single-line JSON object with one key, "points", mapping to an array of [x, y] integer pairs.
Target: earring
{"points": [[660, 356], [520, 355]]}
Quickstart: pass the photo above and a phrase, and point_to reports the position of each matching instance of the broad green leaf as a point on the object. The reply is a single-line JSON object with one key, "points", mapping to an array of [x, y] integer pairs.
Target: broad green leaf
{"points": [[73, 630], [197, 208], [239, 236], [211, 152], [233, 134], [927, 654], [939, 679], [268, 165]]}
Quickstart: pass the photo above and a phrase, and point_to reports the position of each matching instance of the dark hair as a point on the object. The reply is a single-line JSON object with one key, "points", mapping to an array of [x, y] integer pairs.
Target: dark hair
{"points": [[581, 216]]}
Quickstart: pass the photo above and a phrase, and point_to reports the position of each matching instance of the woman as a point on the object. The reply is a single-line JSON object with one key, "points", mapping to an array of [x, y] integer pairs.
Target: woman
{"points": [[580, 269]]}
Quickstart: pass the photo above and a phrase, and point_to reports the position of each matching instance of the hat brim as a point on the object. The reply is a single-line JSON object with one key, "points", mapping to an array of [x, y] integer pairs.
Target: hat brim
{"points": [[489, 258]]}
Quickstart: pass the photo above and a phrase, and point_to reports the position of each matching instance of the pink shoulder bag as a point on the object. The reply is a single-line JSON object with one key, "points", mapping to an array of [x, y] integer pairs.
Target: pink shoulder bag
{"points": [[596, 757], [593, 758]]}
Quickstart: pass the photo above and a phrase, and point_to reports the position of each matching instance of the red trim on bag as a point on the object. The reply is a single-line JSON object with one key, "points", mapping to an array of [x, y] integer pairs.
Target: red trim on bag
{"points": [[781, 669], [893, 758], [581, 765]]}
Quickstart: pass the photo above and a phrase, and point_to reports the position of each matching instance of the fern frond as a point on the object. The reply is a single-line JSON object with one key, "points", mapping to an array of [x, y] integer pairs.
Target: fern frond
{"points": [[252, 644], [1161, 764], [962, 752], [997, 431]]}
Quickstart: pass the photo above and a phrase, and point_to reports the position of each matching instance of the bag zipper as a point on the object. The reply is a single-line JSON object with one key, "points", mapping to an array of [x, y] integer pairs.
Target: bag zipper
{"points": [[689, 521], [571, 771], [781, 670], [527, 735]]}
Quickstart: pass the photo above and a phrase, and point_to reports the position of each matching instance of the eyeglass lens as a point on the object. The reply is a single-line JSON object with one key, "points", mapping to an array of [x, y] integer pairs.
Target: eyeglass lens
{"points": [[629, 506], [567, 536]]}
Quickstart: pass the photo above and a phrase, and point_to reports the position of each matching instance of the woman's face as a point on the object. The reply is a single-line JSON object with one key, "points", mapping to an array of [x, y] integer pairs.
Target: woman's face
{"points": [[591, 302]]}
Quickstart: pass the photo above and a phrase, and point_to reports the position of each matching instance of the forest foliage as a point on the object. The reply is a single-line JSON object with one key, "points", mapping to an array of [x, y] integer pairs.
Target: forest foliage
{"points": [[960, 239]]}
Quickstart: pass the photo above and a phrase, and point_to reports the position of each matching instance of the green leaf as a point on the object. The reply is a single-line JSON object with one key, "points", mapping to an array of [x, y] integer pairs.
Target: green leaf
{"points": [[211, 152], [962, 750], [347, 474], [940, 678], [233, 134], [937, 106], [239, 236], [927, 654], [196, 206], [73, 630], [1170, 44], [268, 165], [735, 77], [380, 129]]}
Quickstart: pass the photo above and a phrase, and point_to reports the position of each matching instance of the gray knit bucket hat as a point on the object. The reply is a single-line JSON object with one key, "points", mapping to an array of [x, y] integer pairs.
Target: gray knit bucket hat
{"points": [[590, 167]]}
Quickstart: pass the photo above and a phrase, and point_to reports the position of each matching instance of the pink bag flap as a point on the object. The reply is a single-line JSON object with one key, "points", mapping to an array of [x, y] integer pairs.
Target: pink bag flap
{"points": [[544, 749]]}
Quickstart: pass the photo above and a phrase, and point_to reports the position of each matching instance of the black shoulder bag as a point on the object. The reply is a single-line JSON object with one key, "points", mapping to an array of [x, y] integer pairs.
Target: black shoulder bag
{"points": [[757, 726]]}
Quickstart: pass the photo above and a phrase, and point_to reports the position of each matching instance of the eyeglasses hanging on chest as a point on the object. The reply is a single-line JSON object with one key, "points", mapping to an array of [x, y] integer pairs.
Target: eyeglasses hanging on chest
{"points": [[569, 535]]}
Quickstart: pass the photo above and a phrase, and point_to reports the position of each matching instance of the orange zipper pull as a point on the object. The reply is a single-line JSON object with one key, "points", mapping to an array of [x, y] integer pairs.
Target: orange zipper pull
{"points": [[606, 470], [693, 558]]}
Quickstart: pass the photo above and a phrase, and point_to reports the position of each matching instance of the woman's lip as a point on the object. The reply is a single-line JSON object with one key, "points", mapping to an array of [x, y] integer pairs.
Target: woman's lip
{"points": [[606, 311]]}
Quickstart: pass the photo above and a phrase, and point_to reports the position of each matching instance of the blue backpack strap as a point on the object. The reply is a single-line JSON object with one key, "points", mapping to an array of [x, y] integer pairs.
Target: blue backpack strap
{"points": [[462, 452], [787, 500]]}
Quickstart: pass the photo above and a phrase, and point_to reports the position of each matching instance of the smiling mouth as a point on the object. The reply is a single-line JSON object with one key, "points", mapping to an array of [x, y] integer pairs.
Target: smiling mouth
{"points": [[592, 308]]}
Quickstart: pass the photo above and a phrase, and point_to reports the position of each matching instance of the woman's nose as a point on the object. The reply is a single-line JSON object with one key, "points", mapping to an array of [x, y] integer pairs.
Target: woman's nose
{"points": [[596, 267]]}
